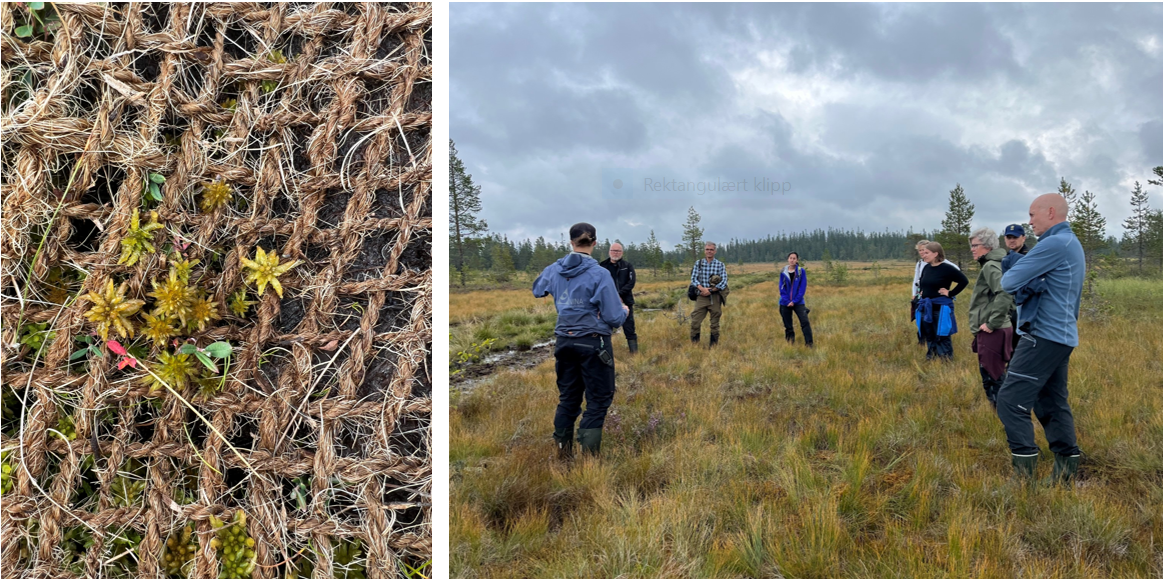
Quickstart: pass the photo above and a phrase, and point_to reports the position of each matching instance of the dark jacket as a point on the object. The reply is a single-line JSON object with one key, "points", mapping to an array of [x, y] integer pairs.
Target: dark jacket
{"points": [[792, 290], [1012, 257], [988, 303], [584, 295], [623, 274]]}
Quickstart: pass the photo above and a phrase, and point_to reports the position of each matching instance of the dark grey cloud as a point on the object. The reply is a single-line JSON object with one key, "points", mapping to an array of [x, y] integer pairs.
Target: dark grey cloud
{"points": [[872, 112]]}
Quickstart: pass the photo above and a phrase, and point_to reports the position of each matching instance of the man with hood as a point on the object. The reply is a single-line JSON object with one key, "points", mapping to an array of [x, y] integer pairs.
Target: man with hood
{"points": [[990, 313], [793, 282], [589, 310]]}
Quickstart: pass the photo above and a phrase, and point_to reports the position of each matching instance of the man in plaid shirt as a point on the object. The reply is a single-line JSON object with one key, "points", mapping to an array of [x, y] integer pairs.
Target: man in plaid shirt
{"points": [[709, 276]]}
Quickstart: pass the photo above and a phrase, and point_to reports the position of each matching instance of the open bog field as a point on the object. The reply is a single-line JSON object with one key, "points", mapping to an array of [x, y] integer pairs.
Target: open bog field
{"points": [[761, 459]]}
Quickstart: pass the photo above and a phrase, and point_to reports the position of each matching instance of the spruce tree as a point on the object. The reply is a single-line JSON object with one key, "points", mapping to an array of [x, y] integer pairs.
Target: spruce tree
{"points": [[653, 253], [1068, 193], [1089, 226], [1136, 226], [693, 234], [955, 234], [464, 205]]}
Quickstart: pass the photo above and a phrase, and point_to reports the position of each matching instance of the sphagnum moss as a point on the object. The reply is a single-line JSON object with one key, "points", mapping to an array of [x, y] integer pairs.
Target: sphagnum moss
{"points": [[112, 310], [265, 269]]}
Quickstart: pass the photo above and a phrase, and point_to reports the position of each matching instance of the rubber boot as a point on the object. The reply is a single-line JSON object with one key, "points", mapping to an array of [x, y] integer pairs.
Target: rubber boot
{"points": [[590, 439], [633, 345], [1064, 470], [564, 438], [695, 338], [1024, 466], [714, 339]]}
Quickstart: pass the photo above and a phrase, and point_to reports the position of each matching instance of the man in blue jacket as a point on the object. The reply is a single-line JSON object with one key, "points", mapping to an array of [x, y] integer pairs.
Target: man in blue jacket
{"points": [[793, 282], [589, 310], [1037, 377]]}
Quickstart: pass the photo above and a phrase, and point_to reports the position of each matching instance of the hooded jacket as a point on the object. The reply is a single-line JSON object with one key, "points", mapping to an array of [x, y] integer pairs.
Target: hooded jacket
{"points": [[584, 294], [792, 290], [988, 303]]}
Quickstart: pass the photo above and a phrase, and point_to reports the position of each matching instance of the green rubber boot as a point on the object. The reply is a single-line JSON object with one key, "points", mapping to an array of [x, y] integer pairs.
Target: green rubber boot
{"points": [[590, 439], [1064, 471], [1024, 466], [564, 438]]}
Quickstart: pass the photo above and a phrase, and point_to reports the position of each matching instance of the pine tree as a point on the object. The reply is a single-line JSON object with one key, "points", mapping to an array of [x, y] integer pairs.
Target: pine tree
{"points": [[1089, 226], [653, 253], [1159, 180], [1136, 226], [1068, 193], [955, 234], [692, 233], [464, 205]]}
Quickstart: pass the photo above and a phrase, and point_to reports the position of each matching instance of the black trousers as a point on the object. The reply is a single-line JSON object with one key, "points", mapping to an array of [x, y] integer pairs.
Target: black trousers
{"points": [[582, 374], [1037, 381], [628, 327], [912, 317], [802, 315]]}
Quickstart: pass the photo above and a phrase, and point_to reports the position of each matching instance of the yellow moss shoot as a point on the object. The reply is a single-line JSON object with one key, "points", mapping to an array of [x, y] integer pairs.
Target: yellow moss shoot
{"points": [[138, 240], [111, 310], [215, 195], [264, 269]]}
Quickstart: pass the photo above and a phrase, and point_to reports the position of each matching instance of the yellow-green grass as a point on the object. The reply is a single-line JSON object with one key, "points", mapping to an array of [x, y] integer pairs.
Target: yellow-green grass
{"points": [[856, 459]]}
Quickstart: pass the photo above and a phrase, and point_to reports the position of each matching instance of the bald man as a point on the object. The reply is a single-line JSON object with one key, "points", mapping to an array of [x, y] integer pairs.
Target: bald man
{"points": [[1047, 285]]}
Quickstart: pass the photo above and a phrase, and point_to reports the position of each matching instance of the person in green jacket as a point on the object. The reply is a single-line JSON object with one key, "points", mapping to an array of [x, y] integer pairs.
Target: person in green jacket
{"points": [[990, 313]]}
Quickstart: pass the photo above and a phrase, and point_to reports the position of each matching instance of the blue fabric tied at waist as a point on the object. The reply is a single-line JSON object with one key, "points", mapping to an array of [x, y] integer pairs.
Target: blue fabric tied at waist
{"points": [[946, 324]]}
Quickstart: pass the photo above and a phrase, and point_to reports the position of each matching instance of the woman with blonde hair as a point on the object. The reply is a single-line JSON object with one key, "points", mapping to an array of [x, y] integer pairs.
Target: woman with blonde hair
{"points": [[938, 284]]}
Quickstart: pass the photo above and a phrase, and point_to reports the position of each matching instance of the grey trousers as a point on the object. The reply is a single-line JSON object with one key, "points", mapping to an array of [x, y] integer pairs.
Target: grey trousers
{"points": [[1037, 381]]}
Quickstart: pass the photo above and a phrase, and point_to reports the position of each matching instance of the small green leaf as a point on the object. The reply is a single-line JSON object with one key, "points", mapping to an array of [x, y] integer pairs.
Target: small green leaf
{"points": [[36, 5], [24, 31], [78, 354], [206, 361], [219, 349], [187, 349], [157, 178], [96, 352]]}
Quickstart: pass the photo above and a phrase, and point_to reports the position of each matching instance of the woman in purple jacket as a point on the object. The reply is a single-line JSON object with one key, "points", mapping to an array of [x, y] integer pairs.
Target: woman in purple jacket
{"points": [[793, 282]]}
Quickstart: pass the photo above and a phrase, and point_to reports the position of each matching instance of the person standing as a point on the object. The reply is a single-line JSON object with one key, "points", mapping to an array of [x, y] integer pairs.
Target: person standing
{"points": [[623, 274], [589, 310], [709, 276], [1047, 284], [793, 282], [1016, 242], [935, 307], [916, 293], [990, 313]]}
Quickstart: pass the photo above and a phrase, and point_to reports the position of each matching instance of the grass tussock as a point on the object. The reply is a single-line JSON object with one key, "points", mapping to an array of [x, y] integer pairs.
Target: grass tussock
{"points": [[855, 459]]}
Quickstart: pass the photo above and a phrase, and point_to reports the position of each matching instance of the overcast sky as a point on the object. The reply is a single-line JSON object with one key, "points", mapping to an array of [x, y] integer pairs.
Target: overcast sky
{"points": [[867, 115]]}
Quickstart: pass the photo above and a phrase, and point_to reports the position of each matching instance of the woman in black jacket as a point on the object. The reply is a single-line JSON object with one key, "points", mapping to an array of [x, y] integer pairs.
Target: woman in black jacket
{"points": [[935, 310]]}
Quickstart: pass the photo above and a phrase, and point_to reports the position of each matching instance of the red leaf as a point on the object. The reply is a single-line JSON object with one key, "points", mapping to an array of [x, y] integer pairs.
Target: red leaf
{"points": [[127, 361], [116, 348]]}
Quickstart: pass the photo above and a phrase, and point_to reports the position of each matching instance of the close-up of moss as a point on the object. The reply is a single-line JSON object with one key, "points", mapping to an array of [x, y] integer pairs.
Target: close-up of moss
{"points": [[158, 329], [111, 310], [138, 241], [174, 298], [203, 310], [265, 269], [239, 304], [175, 369], [215, 195], [178, 558], [183, 267], [236, 549]]}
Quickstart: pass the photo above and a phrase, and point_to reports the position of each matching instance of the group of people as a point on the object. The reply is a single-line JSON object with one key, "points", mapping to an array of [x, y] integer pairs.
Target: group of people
{"points": [[1023, 313]]}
